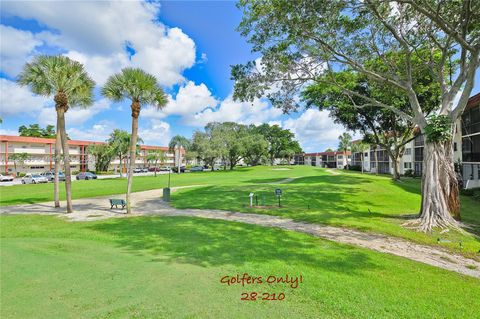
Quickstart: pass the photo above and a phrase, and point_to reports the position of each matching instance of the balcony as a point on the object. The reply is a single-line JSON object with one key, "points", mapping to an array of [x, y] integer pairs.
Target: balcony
{"points": [[28, 150]]}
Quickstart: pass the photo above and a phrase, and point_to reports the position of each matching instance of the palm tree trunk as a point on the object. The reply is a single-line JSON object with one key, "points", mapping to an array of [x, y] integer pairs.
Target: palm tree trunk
{"points": [[133, 153], [361, 156], [56, 180], [120, 166], [155, 169], [179, 154], [66, 158]]}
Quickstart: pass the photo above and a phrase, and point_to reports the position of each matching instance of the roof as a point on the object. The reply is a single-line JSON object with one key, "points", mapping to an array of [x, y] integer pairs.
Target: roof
{"points": [[328, 153], [42, 140], [473, 101]]}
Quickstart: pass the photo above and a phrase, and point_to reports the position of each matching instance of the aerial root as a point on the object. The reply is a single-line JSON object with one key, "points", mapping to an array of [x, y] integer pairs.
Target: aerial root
{"points": [[421, 225]]}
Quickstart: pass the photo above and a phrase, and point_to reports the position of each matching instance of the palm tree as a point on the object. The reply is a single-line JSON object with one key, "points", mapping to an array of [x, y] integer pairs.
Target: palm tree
{"points": [[140, 88], [69, 84], [19, 158], [155, 157], [177, 143], [120, 141], [345, 143], [360, 147]]}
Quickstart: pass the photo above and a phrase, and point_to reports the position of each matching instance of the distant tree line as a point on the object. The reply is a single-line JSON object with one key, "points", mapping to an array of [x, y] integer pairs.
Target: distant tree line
{"points": [[231, 142], [34, 130]]}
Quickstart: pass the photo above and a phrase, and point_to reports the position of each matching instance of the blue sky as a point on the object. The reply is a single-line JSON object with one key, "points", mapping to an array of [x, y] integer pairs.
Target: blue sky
{"points": [[188, 45]]}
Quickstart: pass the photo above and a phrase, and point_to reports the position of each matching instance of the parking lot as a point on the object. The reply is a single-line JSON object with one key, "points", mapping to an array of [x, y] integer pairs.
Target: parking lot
{"points": [[18, 181]]}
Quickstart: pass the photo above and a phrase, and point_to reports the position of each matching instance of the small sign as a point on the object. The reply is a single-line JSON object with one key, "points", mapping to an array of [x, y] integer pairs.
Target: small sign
{"points": [[278, 192]]}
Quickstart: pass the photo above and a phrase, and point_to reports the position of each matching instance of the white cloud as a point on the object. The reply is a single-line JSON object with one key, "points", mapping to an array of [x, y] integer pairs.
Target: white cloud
{"points": [[15, 47], [314, 129], [74, 116], [189, 100], [8, 132], [101, 42], [99, 132], [232, 111], [15, 99], [100, 67], [157, 133]]}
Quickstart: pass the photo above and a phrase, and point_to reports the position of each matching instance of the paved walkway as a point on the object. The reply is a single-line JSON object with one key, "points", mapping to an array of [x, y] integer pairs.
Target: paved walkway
{"points": [[149, 203]]}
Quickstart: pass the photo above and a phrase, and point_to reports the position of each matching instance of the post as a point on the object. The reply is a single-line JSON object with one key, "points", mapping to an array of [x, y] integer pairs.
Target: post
{"points": [[169, 171], [251, 199], [6, 158]]}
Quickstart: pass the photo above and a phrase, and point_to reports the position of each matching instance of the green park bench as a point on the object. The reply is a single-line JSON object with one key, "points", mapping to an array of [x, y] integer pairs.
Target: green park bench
{"points": [[117, 202]]}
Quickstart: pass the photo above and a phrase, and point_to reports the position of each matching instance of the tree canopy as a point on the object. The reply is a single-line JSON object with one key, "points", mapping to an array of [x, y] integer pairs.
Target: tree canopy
{"points": [[34, 130]]}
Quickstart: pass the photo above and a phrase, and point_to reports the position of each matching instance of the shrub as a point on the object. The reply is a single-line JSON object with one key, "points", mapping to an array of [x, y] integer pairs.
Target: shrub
{"points": [[104, 172], [355, 168], [475, 192], [409, 173]]}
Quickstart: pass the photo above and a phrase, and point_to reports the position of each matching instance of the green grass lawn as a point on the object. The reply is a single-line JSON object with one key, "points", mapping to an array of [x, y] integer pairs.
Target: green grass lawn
{"points": [[363, 201], [170, 267], [34, 193]]}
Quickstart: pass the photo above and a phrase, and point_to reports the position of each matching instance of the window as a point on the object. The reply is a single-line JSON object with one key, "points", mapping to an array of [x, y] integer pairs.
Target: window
{"points": [[366, 154], [408, 151], [340, 156], [407, 165], [471, 148], [418, 154], [454, 146], [471, 121]]}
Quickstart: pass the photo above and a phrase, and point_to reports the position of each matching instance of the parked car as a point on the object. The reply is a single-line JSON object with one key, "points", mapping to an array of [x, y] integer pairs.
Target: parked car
{"points": [[86, 176], [137, 170], [165, 168], [145, 170], [196, 169], [175, 169], [6, 178], [30, 178], [51, 176]]}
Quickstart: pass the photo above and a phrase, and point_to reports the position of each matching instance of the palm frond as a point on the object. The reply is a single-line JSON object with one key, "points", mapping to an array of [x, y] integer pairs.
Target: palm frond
{"points": [[136, 85], [47, 75]]}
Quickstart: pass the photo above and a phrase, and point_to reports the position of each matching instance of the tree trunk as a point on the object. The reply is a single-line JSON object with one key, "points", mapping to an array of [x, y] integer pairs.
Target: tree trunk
{"points": [[66, 159], [396, 166], [376, 160], [121, 168], [361, 157], [133, 152], [178, 162], [56, 180], [155, 173], [440, 195]]}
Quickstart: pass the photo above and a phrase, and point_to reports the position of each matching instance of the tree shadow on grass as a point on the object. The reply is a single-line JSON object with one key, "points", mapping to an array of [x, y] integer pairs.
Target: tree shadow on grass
{"points": [[205, 243], [25, 200]]}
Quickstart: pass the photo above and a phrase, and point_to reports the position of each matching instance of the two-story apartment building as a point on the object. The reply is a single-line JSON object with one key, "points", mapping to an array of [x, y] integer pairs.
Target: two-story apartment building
{"points": [[466, 149], [40, 155], [336, 159]]}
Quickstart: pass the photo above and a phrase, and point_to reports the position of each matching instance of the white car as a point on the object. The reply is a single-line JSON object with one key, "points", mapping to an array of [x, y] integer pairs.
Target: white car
{"points": [[34, 179], [6, 178]]}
